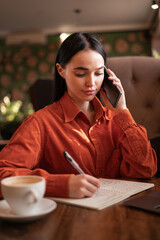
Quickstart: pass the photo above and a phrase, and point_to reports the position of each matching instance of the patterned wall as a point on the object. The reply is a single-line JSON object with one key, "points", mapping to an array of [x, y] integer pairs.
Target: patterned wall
{"points": [[21, 65]]}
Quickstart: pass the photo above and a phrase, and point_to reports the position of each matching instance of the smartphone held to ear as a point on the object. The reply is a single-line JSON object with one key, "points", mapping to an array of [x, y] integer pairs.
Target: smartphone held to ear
{"points": [[112, 91]]}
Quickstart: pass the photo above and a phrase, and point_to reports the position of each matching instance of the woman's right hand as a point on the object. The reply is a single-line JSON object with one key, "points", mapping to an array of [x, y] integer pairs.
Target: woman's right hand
{"points": [[122, 101], [82, 185]]}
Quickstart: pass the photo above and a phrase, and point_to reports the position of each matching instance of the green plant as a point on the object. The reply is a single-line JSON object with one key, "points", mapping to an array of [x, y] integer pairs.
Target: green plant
{"points": [[12, 113]]}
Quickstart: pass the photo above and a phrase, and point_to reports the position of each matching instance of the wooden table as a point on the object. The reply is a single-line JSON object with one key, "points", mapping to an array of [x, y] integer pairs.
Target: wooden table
{"points": [[73, 223]]}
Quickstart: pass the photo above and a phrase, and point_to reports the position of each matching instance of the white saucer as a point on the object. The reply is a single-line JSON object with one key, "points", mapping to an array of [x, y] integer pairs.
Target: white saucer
{"points": [[44, 207]]}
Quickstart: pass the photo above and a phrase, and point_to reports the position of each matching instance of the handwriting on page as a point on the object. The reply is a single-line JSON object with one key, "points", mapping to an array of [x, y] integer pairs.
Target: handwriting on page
{"points": [[122, 186], [111, 191]]}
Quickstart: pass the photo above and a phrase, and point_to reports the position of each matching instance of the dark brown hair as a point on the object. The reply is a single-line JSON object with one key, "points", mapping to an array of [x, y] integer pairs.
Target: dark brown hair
{"points": [[73, 44]]}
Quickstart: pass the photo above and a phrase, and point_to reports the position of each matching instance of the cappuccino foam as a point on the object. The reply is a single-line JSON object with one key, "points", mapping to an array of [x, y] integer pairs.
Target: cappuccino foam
{"points": [[22, 181]]}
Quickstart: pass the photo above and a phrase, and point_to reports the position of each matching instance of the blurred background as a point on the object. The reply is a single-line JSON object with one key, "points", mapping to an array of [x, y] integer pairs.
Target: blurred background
{"points": [[32, 31]]}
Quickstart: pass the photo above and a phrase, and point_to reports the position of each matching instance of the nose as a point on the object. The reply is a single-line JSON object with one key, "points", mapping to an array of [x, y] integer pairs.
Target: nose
{"points": [[90, 80]]}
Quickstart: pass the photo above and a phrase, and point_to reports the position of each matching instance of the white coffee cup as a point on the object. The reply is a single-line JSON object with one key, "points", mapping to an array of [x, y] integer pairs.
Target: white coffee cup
{"points": [[23, 193]]}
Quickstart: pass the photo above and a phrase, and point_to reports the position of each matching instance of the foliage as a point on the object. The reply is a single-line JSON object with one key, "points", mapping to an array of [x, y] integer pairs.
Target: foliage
{"points": [[12, 113]]}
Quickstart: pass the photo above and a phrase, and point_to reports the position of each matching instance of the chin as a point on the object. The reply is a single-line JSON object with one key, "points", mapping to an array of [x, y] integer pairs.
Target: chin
{"points": [[89, 98]]}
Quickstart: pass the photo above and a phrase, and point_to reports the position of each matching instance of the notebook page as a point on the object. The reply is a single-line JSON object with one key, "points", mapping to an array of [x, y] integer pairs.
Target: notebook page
{"points": [[98, 201], [111, 191], [123, 186]]}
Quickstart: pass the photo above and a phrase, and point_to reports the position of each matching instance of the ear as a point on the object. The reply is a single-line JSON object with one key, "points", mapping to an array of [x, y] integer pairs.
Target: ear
{"points": [[60, 70]]}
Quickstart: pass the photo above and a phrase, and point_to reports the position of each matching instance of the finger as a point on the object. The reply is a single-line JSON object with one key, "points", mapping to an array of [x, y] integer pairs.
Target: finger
{"points": [[114, 79], [111, 73], [90, 183], [86, 193], [91, 188], [94, 181], [88, 186], [118, 84]]}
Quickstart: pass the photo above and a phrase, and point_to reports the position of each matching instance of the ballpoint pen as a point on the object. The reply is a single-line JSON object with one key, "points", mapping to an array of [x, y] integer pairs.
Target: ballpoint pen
{"points": [[72, 162]]}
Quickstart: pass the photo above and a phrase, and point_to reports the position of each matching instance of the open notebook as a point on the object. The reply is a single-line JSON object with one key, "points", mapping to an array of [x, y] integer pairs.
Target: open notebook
{"points": [[111, 191]]}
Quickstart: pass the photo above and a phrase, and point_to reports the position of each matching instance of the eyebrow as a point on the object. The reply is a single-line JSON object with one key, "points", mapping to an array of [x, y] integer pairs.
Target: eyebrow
{"points": [[86, 69]]}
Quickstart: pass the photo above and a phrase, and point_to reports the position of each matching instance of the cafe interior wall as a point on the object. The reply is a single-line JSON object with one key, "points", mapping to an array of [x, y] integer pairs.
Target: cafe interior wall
{"points": [[21, 65]]}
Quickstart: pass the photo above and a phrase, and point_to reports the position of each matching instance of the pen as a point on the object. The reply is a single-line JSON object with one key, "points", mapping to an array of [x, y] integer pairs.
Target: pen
{"points": [[72, 162]]}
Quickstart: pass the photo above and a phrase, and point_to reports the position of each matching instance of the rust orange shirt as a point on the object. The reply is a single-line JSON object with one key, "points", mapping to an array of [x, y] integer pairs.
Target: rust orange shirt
{"points": [[112, 147]]}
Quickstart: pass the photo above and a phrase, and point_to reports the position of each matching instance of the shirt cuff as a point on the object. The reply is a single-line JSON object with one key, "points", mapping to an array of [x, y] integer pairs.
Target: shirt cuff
{"points": [[124, 119], [57, 185]]}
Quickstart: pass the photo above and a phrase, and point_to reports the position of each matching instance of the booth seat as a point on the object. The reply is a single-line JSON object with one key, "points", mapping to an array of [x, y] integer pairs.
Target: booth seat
{"points": [[140, 77]]}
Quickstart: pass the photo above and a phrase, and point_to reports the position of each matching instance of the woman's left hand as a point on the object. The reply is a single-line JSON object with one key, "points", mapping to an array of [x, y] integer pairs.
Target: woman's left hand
{"points": [[122, 101]]}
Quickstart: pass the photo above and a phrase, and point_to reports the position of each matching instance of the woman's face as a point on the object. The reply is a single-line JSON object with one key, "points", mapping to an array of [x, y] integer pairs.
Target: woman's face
{"points": [[84, 75]]}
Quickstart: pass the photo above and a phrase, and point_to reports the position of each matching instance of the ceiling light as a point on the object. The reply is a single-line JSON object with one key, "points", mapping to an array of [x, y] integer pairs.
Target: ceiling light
{"points": [[63, 36], [155, 5]]}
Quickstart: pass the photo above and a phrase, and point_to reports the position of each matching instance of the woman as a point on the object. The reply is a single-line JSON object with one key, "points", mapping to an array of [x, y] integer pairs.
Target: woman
{"points": [[105, 142]]}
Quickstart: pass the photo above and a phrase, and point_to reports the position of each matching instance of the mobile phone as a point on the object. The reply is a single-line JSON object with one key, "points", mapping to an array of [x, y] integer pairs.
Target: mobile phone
{"points": [[113, 92]]}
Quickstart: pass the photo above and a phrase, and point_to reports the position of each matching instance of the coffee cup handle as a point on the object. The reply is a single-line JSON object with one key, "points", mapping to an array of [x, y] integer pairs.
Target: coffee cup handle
{"points": [[32, 196]]}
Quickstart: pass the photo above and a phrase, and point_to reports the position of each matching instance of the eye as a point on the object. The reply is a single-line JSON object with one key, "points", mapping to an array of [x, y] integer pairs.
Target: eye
{"points": [[80, 74], [98, 73]]}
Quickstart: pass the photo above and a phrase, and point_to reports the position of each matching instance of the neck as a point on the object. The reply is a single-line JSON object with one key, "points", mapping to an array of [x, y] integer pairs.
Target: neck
{"points": [[88, 109], [85, 107]]}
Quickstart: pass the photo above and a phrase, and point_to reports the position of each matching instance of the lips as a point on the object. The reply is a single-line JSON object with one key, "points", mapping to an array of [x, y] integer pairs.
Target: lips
{"points": [[90, 92]]}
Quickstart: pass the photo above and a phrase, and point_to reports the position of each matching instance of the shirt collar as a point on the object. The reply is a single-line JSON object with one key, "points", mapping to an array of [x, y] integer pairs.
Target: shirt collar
{"points": [[71, 110]]}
